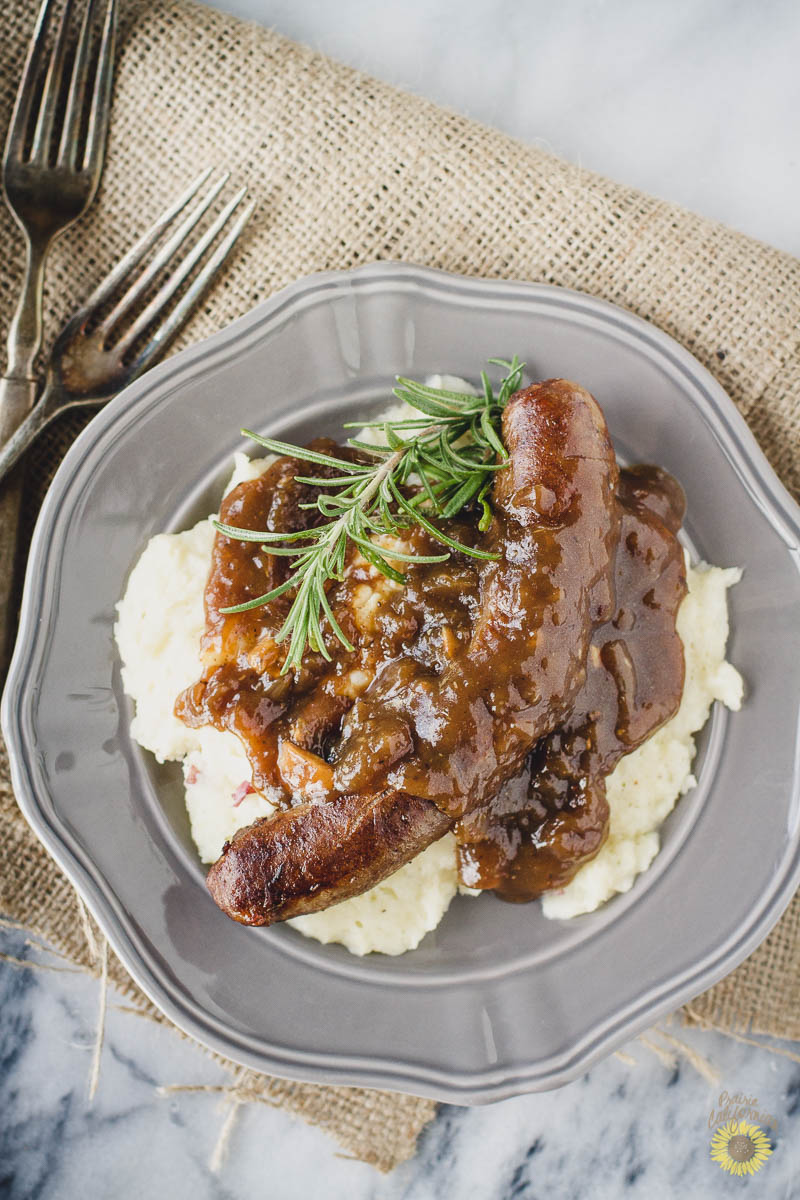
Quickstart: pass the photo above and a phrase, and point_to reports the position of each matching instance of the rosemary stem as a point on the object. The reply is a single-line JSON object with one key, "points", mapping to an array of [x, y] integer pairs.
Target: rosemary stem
{"points": [[454, 458], [387, 467], [342, 523]]}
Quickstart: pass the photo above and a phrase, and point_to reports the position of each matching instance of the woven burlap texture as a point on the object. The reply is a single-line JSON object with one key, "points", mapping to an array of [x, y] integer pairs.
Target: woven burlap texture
{"points": [[347, 170]]}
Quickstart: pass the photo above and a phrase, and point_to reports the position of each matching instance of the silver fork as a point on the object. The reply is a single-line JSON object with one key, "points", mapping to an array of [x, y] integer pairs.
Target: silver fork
{"points": [[98, 352], [49, 178], [53, 161]]}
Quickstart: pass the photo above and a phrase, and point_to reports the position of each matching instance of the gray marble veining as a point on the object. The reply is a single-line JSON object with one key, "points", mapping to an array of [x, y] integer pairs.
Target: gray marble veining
{"points": [[634, 1129], [695, 101]]}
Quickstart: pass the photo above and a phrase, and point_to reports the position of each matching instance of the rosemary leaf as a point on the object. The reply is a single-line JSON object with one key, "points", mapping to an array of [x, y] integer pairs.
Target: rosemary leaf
{"points": [[447, 457]]}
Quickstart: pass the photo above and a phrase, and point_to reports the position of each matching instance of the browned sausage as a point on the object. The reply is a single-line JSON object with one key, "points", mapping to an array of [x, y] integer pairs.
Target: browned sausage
{"points": [[546, 822], [470, 726]]}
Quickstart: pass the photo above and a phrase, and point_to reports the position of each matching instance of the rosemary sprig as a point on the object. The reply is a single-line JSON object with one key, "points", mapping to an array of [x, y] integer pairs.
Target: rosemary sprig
{"points": [[448, 455]]}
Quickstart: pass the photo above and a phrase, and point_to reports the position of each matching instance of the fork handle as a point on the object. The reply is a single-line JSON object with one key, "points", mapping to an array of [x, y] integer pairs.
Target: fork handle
{"points": [[25, 330], [16, 399], [17, 396], [25, 432]]}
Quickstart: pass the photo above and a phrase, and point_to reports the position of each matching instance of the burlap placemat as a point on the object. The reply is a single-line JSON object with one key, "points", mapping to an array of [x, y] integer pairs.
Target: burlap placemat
{"points": [[347, 170]]}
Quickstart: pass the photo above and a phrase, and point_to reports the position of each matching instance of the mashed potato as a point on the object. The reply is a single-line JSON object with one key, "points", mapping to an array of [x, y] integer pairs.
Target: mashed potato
{"points": [[158, 634]]}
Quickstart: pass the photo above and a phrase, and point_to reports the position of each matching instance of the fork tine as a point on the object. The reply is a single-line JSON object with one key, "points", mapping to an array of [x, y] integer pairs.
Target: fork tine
{"points": [[181, 272], [20, 118], [101, 96], [43, 136], [117, 276], [68, 149], [164, 333], [143, 281]]}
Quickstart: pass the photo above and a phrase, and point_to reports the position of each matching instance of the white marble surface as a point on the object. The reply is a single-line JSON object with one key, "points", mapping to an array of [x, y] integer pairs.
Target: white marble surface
{"points": [[693, 100], [696, 101], [636, 1130]]}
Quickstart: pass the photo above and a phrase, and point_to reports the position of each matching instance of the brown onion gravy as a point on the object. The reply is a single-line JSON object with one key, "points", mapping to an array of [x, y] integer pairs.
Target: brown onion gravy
{"points": [[553, 815], [411, 684]]}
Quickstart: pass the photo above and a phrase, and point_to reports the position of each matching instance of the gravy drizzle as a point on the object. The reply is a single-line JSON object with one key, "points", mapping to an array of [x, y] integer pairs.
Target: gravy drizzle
{"points": [[424, 653]]}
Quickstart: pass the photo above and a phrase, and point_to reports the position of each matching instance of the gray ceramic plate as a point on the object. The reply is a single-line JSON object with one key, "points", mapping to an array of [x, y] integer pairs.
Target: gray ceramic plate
{"points": [[498, 1000]]}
